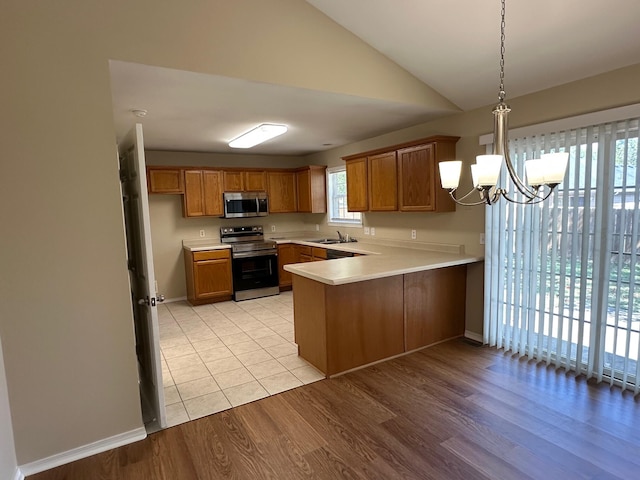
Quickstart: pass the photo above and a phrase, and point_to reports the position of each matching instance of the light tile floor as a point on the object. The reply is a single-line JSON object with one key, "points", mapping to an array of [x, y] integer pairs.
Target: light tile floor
{"points": [[226, 354]]}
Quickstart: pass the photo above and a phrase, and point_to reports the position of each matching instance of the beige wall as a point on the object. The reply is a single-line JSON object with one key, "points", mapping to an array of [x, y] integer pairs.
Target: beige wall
{"points": [[65, 313]]}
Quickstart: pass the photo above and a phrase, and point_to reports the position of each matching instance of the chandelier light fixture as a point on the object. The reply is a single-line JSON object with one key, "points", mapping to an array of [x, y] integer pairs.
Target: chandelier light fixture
{"points": [[543, 175]]}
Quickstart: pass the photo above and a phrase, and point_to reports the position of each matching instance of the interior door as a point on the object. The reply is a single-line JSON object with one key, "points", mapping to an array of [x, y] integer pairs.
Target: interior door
{"points": [[141, 274]]}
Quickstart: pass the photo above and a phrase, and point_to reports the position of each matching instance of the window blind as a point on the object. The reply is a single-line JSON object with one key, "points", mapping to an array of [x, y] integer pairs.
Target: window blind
{"points": [[562, 276]]}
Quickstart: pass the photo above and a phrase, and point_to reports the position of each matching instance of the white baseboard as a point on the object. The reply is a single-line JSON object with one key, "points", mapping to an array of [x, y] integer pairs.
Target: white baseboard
{"points": [[473, 336], [81, 452], [18, 475]]}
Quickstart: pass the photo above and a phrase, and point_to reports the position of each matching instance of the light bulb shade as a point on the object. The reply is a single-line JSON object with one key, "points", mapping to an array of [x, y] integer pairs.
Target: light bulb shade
{"points": [[555, 167], [259, 134], [487, 170], [535, 170], [475, 172], [450, 174]]}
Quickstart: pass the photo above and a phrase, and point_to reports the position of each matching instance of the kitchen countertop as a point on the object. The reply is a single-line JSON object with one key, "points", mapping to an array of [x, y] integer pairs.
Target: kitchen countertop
{"points": [[378, 260], [381, 261]]}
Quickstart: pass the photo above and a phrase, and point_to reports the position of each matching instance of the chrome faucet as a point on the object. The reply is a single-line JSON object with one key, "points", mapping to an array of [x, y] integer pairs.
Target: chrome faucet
{"points": [[340, 236]]}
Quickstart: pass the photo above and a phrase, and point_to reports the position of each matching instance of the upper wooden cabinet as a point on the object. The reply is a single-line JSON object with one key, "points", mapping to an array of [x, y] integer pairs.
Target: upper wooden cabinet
{"points": [[401, 177], [255, 180], [282, 191], [203, 193], [290, 190], [164, 180], [357, 184], [245, 181], [311, 186], [383, 185], [233, 181]]}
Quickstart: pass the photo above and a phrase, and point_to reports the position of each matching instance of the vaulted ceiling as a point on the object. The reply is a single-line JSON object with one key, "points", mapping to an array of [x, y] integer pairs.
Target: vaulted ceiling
{"points": [[450, 45]]}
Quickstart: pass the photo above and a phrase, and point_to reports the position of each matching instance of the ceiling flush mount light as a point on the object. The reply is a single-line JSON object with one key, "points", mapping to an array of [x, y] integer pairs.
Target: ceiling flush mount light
{"points": [[259, 134], [543, 175]]}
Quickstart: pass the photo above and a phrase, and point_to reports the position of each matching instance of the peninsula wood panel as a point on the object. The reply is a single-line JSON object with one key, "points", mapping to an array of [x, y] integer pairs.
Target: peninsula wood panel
{"points": [[364, 322], [434, 307], [310, 325], [383, 183]]}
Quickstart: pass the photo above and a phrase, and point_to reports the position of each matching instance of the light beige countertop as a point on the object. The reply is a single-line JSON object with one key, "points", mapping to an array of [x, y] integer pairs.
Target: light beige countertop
{"points": [[381, 261], [199, 245], [378, 260]]}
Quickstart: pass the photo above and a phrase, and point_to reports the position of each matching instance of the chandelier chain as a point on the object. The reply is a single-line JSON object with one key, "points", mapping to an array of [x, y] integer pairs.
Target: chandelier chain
{"points": [[502, 93]]}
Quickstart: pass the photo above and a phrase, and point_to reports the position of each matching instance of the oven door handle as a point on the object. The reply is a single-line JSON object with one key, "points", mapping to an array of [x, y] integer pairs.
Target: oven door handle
{"points": [[263, 253]]}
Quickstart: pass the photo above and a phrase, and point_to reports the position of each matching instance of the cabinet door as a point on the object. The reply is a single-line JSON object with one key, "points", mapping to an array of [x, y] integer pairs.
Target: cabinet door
{"points": [[282, 192], [416, 179], [312, 189], [286, 255], [193, 194], [303, 181], [212, 278], [255, 181], [212, 185], [357, 185], [233, 181], [164, 180], [383, 183]]}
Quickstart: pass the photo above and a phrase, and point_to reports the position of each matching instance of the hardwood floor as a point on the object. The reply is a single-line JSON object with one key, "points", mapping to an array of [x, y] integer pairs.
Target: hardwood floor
{"points": [[452, 411]]}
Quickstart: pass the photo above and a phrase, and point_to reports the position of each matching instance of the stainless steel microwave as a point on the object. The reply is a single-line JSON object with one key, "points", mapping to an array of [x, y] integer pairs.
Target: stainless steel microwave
{"points": [[245, 204]]}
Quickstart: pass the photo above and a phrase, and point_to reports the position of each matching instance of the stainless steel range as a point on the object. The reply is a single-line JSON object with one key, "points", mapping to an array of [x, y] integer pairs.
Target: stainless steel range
{"points": [[254, 262]]}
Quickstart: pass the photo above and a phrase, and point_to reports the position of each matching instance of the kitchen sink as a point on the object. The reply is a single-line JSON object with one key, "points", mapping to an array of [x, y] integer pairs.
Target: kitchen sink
{"points": [[325, 241]]}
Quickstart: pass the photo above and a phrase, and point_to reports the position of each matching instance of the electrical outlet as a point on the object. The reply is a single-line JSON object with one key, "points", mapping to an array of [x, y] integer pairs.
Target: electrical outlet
{"points": [[413, 235], [482, 239], [273, 228], [366, 230], [317, 227], [373, 231], [202, 233]]}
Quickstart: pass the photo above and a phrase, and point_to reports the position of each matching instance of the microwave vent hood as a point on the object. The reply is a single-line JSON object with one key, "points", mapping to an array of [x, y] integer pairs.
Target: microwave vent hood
{"points": [[245, 204]]}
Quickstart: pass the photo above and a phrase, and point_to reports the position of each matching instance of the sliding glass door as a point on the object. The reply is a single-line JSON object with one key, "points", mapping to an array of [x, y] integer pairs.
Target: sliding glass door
{"points": [[561, 282]]}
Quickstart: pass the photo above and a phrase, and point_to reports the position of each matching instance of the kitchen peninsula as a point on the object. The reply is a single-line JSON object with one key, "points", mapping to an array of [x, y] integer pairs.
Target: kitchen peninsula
{"points": [[356, 311]]}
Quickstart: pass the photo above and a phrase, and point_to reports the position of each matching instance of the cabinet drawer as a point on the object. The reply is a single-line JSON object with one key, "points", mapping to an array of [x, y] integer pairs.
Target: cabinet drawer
{"points": [[211, 255], [304, 250]]}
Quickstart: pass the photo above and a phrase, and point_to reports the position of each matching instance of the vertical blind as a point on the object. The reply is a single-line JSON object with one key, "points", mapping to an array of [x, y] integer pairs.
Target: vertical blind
{"points": [[562, 277]]}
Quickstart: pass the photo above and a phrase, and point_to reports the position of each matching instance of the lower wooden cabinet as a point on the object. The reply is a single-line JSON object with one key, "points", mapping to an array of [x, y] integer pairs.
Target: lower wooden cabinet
{"points": [[287, 254], [208, 275]]}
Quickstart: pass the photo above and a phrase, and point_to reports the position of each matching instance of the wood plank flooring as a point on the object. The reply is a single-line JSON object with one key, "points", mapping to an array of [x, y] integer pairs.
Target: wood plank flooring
{"points": [[452, 411]]}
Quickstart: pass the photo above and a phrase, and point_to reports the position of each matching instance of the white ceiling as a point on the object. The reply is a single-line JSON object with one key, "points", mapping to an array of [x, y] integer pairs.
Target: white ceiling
{"points": [[451, 45]]}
